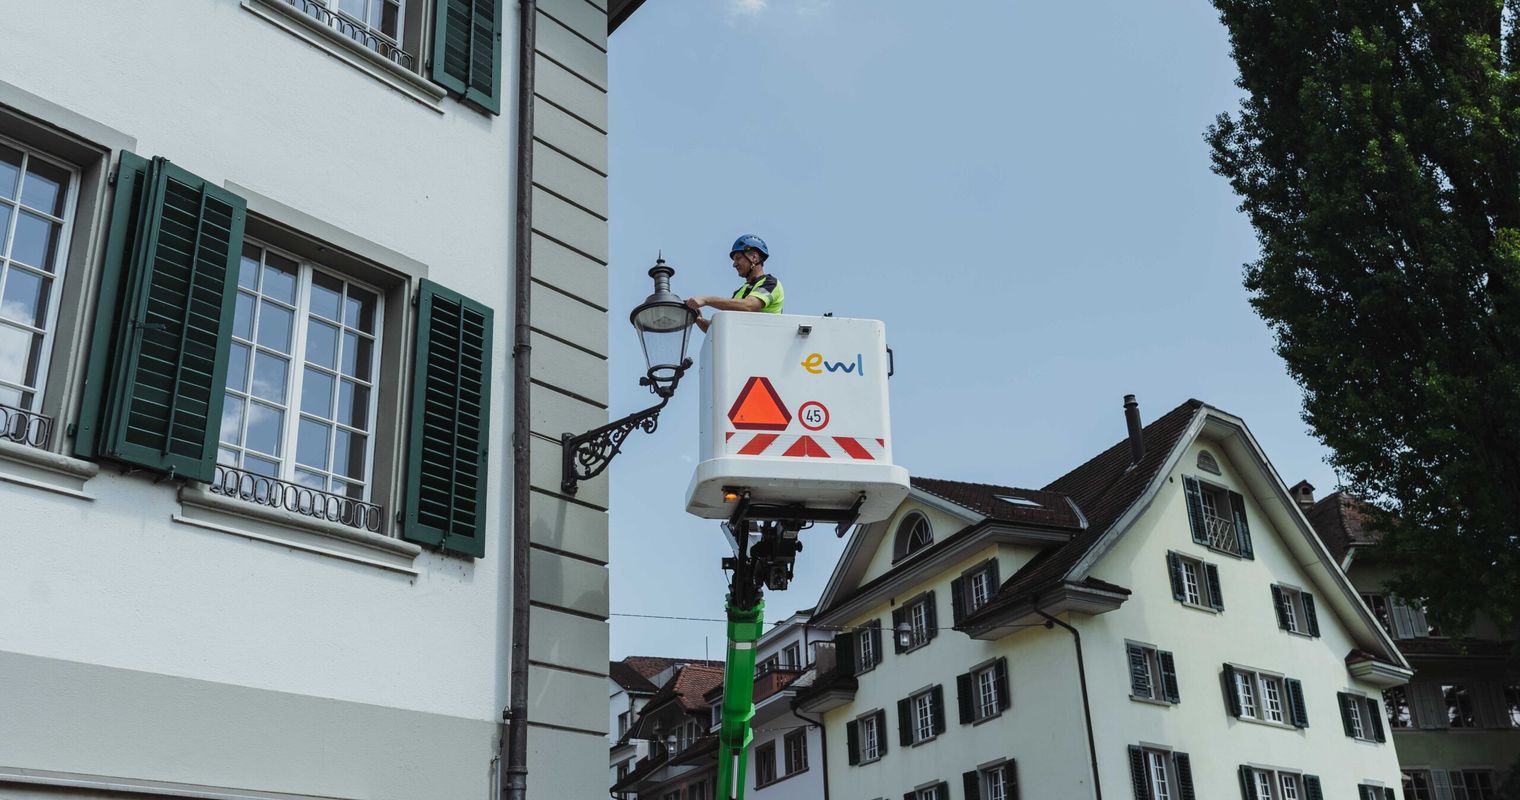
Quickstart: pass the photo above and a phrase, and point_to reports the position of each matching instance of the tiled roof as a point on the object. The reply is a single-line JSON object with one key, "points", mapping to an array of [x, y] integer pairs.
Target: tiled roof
{"points": [[1005, 503], [634, 673], [688, 686], [1340, 522], [1103, 488]]}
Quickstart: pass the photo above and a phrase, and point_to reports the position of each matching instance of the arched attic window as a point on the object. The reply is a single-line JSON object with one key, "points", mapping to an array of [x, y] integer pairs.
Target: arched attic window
{"points": [[913, 534]]}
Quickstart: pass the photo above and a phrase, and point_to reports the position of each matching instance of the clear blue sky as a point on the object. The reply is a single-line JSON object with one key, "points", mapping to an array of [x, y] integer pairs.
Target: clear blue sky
{"points": [[1019, 189]]}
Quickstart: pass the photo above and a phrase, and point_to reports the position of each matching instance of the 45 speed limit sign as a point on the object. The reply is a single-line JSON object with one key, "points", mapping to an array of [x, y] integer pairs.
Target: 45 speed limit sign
{"points": [[813, 415]]}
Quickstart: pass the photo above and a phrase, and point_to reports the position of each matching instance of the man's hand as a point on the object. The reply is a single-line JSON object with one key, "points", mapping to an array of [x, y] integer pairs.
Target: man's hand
{"points": [[696, 302]]}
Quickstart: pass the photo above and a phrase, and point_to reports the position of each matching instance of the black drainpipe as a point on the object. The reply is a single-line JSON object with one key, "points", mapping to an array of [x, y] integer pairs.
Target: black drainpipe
{"points": [[514, 777], [823, 743], [1092, 747]]}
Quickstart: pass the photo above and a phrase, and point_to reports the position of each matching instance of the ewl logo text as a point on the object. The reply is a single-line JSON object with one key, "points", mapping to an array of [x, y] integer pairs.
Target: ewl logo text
{"points": [[815, 364]]}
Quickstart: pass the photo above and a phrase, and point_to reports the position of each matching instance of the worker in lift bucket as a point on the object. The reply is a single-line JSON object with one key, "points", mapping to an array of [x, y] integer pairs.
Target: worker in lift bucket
{"points": [[760, 292]]}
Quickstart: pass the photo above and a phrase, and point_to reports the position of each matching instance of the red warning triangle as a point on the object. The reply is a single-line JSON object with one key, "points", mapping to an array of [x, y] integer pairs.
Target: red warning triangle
{"points": [[759, 408]]}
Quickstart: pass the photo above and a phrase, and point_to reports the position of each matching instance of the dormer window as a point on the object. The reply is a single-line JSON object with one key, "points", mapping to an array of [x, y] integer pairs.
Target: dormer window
{"points": [[913, 534]]}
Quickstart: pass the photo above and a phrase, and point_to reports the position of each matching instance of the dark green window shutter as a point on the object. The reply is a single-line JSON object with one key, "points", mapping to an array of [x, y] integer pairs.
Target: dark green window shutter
{"points": [[1280, 603], [1194, 496], [958, 599], [1231, 696], [1137, 773], [1011, 773], [905, 721], [875, 634], [466, 57], [1309, 616], [1139, 672], [1169, 677], [1375, 716], [1174, 569], [1184, 776], [1312, 789], [1247, 784], [971, 784], [1345, 701], [845, 654], [937, 708], [881, 732], [852, 741], [163, 321], [930, 615], [963, 698], [1242, 530], [450, 423], [1000, 679], [1296, 707], [1216, 592]]}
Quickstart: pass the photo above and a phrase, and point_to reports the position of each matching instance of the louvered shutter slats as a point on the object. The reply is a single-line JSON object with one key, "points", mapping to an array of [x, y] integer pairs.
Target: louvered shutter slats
{"points": [[958, 600], [1279, 602], [1139, 672], [1137, 773], [1345, 701], [1194, 496], [1184, 776], [1169, 677], [1310, 616], [881, 732], [1231, 696], [1296, 706], [852, 741], [1242, 529], [158, 355], [875, 634], [937, 708], [971, 784], [845, 653], [1000, 677], [467, 50], [1312, 790], [451, 401], [931, 615], [1247, 784], [1011, 773], [1174, 571], [1216, 592], [905, 721]]}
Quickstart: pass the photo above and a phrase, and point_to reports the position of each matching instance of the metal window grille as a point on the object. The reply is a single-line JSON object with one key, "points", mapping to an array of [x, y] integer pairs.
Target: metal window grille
{"points": [[380, 33], [25, 427]]}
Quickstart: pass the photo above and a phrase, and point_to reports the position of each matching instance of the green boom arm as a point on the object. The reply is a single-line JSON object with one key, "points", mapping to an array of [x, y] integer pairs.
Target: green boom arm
{"points": [[744, 626]]}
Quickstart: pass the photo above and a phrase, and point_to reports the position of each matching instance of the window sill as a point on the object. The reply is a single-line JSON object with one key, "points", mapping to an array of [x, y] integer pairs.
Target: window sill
{"points": [[1268, 723], [45, 470], [924, 741], [865, 761], [1156, 701], [988, 718], [350, 52], [202, 509], [1203, 608]]}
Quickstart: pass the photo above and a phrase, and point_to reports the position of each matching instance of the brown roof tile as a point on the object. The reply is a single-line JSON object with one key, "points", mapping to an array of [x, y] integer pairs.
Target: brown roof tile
{"points": [[1103, 488], [688, 686], [1026, 506], [1341, 523], [635, 673]]}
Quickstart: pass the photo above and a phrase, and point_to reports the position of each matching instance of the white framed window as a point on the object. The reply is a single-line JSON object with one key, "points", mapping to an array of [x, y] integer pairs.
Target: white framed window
{"points": [[1192, 582], [1279, 784], [1264, 785], [301, 390], [1159, 773], [1245, 691], [914, 533], [987, 702], [997, 782], [1290, 786], [981, 589], [1295, 610], [1218, 519], [865, 643], [918, 622], [622, 723], [1354, 720], [38, 196], [1161, 782], [1271, 698], [765, 764], [870, 738], [923, 717], [931, 793], [1152, 674], [1195, 583]]}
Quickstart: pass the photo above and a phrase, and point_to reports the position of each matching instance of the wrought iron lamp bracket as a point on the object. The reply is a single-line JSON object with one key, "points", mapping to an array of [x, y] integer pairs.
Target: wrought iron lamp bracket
{"points": [[587, 455]]}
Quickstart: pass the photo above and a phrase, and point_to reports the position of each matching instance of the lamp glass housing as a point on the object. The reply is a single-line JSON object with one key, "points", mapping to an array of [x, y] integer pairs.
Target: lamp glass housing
{"points": [[663, 323]]}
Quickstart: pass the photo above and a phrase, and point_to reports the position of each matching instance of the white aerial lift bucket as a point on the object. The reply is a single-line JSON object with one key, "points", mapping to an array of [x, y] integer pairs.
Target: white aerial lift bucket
{"points": [[794, 411]]}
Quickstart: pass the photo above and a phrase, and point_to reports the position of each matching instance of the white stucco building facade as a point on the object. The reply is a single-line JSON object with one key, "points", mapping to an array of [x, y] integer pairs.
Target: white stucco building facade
{"points": [[256, 368], [1100, 629]]}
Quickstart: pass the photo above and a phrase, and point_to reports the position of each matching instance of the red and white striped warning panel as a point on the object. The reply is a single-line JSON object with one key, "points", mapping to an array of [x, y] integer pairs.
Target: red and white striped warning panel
{"points": [[798, 445]]}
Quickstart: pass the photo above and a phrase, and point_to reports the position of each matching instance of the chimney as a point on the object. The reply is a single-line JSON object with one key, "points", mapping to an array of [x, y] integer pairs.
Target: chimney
{"points": [[1303, 494], [1136, 440]]}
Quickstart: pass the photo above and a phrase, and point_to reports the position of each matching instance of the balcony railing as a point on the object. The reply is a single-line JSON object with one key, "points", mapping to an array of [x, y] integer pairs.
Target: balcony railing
{"points": [[357, 31], [1221, 533], [25, 427], [303, 500]]}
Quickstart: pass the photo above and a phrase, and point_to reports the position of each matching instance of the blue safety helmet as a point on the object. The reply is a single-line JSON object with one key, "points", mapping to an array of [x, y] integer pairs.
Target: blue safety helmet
{"points": [[749, 241]]}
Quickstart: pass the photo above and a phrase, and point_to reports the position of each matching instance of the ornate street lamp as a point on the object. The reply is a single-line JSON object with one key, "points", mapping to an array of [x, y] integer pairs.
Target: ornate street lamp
{"points": [[663, 323]]}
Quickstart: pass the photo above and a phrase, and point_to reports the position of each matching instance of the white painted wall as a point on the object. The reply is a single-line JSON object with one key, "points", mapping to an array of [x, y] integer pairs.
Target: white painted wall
{"points": [[1245, 633], [1040, 727]]}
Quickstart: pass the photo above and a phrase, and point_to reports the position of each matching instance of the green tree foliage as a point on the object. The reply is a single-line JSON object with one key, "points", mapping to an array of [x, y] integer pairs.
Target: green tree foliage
{"points": [[1375, 153]]}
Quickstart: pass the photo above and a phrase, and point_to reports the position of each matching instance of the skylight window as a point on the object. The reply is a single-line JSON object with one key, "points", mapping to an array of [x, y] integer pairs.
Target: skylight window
{"points": [[1017, 501]]}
